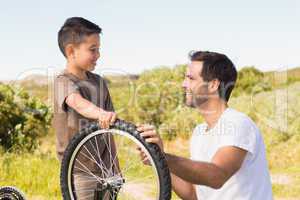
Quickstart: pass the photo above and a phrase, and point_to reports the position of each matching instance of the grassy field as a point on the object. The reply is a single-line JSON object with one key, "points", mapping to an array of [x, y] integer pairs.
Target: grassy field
{"points": [[276, 112], [37, 175]]}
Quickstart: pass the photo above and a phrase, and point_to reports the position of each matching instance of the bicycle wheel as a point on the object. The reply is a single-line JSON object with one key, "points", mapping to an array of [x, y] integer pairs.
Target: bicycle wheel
{"points": [[10, 193], [104, 164]]}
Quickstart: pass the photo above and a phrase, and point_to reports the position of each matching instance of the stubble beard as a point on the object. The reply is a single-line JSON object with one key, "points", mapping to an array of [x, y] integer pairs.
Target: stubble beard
{"points": [[195, 100]]}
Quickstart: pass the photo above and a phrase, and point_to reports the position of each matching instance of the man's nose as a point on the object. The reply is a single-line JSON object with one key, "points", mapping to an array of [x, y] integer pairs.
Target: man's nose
{"points": [[184, 84]]}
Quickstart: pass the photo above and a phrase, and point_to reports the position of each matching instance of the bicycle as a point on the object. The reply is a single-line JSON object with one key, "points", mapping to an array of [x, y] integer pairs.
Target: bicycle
{"points": [[124, 176], [11, 193]]}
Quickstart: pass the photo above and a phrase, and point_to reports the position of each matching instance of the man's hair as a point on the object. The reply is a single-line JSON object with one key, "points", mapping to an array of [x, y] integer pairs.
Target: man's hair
{"points": [[74, 30], [217, 66]]}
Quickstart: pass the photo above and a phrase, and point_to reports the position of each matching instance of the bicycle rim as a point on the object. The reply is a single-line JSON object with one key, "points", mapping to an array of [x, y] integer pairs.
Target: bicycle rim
{"points": [[136, 180]]}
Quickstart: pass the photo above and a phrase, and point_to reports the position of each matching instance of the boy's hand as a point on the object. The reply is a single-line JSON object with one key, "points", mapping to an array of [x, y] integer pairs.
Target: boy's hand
{"points": [[151, 136], [106, 119]]}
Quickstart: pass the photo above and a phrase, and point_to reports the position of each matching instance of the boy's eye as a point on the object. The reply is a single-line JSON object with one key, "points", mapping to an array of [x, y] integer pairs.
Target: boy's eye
{"points": [[94, 50]]}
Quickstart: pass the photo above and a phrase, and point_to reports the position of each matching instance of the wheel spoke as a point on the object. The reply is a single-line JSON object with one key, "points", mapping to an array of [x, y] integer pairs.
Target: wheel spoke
{"points": [[105, 158]]}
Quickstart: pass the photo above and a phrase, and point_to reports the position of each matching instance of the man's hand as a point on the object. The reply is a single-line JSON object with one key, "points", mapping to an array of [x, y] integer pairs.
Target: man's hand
{"points": [[106, 119], [143, 156], [151, 136]]}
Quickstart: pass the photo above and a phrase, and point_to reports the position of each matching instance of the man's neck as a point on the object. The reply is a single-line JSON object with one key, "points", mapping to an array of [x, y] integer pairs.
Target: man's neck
{"points": [[76, 71], [212, 111]]}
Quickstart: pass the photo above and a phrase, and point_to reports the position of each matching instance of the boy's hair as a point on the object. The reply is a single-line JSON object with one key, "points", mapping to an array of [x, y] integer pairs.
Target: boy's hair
{"points": [[74, 30], [217, 66]]}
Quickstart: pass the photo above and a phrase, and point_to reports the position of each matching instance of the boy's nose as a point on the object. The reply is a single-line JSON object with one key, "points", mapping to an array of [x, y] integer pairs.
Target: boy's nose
{"points": [[98, 55]]}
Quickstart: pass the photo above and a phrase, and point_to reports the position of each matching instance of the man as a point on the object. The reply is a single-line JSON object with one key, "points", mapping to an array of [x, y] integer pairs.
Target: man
{"points": [[228, 159]]}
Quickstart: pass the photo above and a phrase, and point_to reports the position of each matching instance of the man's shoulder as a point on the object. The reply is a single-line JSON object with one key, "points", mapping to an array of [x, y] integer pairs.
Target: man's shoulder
{"points": [[239, 122], [236, 117], [200, 128]]}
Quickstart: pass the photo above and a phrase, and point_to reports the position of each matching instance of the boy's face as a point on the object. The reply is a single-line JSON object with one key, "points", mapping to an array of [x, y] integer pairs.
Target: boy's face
{"points": [[87, 53]]}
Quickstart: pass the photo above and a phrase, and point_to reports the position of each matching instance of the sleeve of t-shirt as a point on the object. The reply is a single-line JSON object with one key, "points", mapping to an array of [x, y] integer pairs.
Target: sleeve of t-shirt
{"points": [[240, 133], [104, 94], [63, 88], [108, 101]]}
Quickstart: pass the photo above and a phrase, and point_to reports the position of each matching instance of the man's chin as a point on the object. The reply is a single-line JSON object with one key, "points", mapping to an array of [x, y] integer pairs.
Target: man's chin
{"points": [[189, 104], [195, 102]]}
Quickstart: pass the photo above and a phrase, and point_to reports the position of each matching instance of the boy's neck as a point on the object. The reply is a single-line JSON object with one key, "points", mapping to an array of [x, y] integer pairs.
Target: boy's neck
{"points": [[76, 71]]}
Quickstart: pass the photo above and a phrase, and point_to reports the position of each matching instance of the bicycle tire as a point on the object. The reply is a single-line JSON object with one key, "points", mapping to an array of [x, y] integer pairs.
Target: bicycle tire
{"points": [[11, 193], [157, 157]]}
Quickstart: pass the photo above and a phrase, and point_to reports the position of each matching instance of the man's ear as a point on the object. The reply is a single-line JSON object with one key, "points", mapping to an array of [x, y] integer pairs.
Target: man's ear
{"points": [[69, 51], [213, 85]]}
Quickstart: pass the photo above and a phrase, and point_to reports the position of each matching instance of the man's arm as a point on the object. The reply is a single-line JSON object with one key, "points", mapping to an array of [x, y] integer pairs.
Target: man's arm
{"points": [[90, 110], [224, 164], [183, 189]]}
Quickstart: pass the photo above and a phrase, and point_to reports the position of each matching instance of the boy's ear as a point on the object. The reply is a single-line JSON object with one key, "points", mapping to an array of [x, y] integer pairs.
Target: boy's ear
{"points": [[69, 50]]}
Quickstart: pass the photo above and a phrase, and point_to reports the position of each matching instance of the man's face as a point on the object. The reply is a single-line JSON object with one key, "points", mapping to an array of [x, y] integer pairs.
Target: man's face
{"points": [[87, 53], [196, 90]]}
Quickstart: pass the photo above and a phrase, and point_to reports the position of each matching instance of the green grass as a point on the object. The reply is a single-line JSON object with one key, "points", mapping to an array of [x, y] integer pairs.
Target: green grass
{"points": [[290, 190], [37, 175]]}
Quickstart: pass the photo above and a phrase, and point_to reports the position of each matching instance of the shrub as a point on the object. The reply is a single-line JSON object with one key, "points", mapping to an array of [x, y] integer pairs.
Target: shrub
{"points": [[251, 81], [23, 119]]}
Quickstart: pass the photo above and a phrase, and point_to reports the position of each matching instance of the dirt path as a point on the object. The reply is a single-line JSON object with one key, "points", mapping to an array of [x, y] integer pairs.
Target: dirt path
{"points": [[281, 179], [138, 191]]}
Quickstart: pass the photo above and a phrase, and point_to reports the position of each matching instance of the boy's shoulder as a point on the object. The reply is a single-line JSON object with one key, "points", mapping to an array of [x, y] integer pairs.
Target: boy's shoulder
{"points": [[65, 76], [62, 78], [61, 75], [97, 78], [94, 75]]}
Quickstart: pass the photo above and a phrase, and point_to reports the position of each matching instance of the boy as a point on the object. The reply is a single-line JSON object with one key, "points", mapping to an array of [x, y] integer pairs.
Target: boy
{"points": [[80, 96]]}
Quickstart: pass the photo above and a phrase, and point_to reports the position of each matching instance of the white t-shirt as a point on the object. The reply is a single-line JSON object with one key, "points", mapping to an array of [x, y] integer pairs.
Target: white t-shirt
{"points": [[252, 180]]}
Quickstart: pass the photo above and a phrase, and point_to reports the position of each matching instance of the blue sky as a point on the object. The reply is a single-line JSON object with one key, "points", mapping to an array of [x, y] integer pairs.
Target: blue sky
{"points": [[139, 35]]}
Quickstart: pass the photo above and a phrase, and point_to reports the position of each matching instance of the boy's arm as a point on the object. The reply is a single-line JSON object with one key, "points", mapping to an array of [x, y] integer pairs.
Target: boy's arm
{"points": [[90, 110]]}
